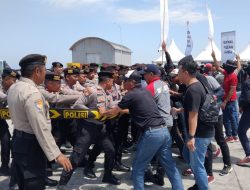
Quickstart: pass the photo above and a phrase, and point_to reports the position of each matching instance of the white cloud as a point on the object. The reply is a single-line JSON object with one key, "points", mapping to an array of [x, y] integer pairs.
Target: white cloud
{"points": [[76, 3], [180, 11], [138, 16]]}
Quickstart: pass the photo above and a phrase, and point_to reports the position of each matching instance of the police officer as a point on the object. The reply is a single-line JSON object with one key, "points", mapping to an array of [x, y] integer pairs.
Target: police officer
{"points": [[57, 67], [32, 139], [9, 77], [115, 130], [79, 86], [50, 91], [93, 131], [91, 78]]}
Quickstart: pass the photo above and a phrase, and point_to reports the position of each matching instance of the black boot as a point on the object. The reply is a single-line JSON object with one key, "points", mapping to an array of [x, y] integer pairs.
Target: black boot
{"points": [[65, 177], [159, 176], [89, 172], [195, 187], [50, 182], [121, 167], [148, 176], [111, 179], [5, 170]]}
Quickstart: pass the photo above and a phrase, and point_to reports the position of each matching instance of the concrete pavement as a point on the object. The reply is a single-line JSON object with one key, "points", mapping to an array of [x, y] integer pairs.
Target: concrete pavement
{"points": [[239, 179]]}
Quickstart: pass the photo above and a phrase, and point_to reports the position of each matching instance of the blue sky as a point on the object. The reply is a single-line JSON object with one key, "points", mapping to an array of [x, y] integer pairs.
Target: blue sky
{"points": [[50, 27]]}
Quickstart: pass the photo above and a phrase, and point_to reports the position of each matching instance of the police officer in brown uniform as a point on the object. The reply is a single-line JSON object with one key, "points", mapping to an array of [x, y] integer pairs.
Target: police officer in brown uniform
{"points": [[115, 130], [93, 132], [32, 139], [9, 77], [51, 93]]}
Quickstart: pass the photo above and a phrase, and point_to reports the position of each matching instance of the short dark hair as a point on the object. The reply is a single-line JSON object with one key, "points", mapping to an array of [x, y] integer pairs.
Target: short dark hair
{"points": [[188, 64], [29, 69]]}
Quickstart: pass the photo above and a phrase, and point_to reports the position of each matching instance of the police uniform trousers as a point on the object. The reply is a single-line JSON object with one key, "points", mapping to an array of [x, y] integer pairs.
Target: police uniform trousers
{"points": [[90, 133], [117, 131], [29, 161], [66, 129], [5, 142]]}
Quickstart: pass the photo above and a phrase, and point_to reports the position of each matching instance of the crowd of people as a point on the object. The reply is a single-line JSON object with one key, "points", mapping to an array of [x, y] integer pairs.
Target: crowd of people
{"points": [[148, 108]]}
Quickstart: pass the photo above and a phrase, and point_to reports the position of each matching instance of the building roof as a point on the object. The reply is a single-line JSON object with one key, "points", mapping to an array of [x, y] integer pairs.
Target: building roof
{"points": [[114, 45]]}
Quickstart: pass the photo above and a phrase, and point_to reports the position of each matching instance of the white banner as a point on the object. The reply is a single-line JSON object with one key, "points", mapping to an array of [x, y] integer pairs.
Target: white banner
{"points": [[164, 20], [211, 24], [189, 47], [228, 46]]}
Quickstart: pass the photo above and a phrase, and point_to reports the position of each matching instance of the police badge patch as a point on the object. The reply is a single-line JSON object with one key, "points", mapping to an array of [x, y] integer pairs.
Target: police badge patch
{"points": [[39, 105]]}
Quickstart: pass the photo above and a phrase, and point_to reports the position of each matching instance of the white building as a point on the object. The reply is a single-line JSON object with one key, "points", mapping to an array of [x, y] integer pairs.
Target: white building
{"points": [[97, 50]]}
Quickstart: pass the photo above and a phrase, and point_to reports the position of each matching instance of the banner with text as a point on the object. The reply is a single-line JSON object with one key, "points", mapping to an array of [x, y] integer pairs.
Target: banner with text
{"points": [[228, 43]]}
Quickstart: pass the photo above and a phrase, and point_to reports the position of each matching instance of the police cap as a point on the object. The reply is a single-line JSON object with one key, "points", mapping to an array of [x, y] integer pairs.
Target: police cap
{"points": [[33, 59], [105, 74], [57, 64], [84, 71], [93, 65], [52, 76], [71, 71], [10, 72]]}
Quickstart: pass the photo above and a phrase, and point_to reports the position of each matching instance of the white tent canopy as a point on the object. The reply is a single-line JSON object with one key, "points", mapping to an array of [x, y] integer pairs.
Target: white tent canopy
{"points": [[175, 53], [205, 55], [245, 54]]}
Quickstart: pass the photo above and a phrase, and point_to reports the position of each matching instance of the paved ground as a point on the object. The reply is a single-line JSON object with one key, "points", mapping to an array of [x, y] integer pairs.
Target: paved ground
{"points": [[239, 179]]}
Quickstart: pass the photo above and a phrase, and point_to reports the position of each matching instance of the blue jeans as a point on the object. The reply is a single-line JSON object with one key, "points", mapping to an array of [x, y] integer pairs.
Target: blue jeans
{"points": [[242, 130], [230, 119], [159, 142], [196, 161]]}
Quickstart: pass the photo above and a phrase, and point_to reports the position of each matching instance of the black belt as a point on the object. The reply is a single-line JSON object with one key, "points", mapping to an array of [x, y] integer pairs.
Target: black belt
{"points": [[155, 127], [22, 134]]}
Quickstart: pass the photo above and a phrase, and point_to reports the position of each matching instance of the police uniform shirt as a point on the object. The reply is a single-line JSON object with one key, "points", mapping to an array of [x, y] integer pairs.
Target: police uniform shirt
{"points": [[91, 83], [66, 89], [3, 98], [56, 98], [78, 87], [98, 99], [115, 93], [30, 113]]}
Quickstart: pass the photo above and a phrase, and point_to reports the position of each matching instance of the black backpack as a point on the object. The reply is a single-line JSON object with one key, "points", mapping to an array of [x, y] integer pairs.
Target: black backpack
{"points": [[209, 111]]}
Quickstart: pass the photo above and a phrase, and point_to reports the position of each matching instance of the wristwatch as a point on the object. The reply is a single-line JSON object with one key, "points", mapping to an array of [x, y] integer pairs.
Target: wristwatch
{"points": [[190, 137]]}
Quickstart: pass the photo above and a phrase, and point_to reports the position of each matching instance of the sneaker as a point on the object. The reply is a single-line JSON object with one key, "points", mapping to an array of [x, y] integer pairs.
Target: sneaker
{"points": [[244, 162], [229, 139], [216, 153], [210, 179], [187, 172], [226, 170], [236, 139]]}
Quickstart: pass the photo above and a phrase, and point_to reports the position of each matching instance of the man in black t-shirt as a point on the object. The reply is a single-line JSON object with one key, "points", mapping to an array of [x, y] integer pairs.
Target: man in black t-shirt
{"points": [[199, 134], [154, 139]]}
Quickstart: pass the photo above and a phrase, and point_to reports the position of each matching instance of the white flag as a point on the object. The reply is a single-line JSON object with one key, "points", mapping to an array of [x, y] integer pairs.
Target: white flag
{"points": [[164, 21], [189, 47], [211, 24]]}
